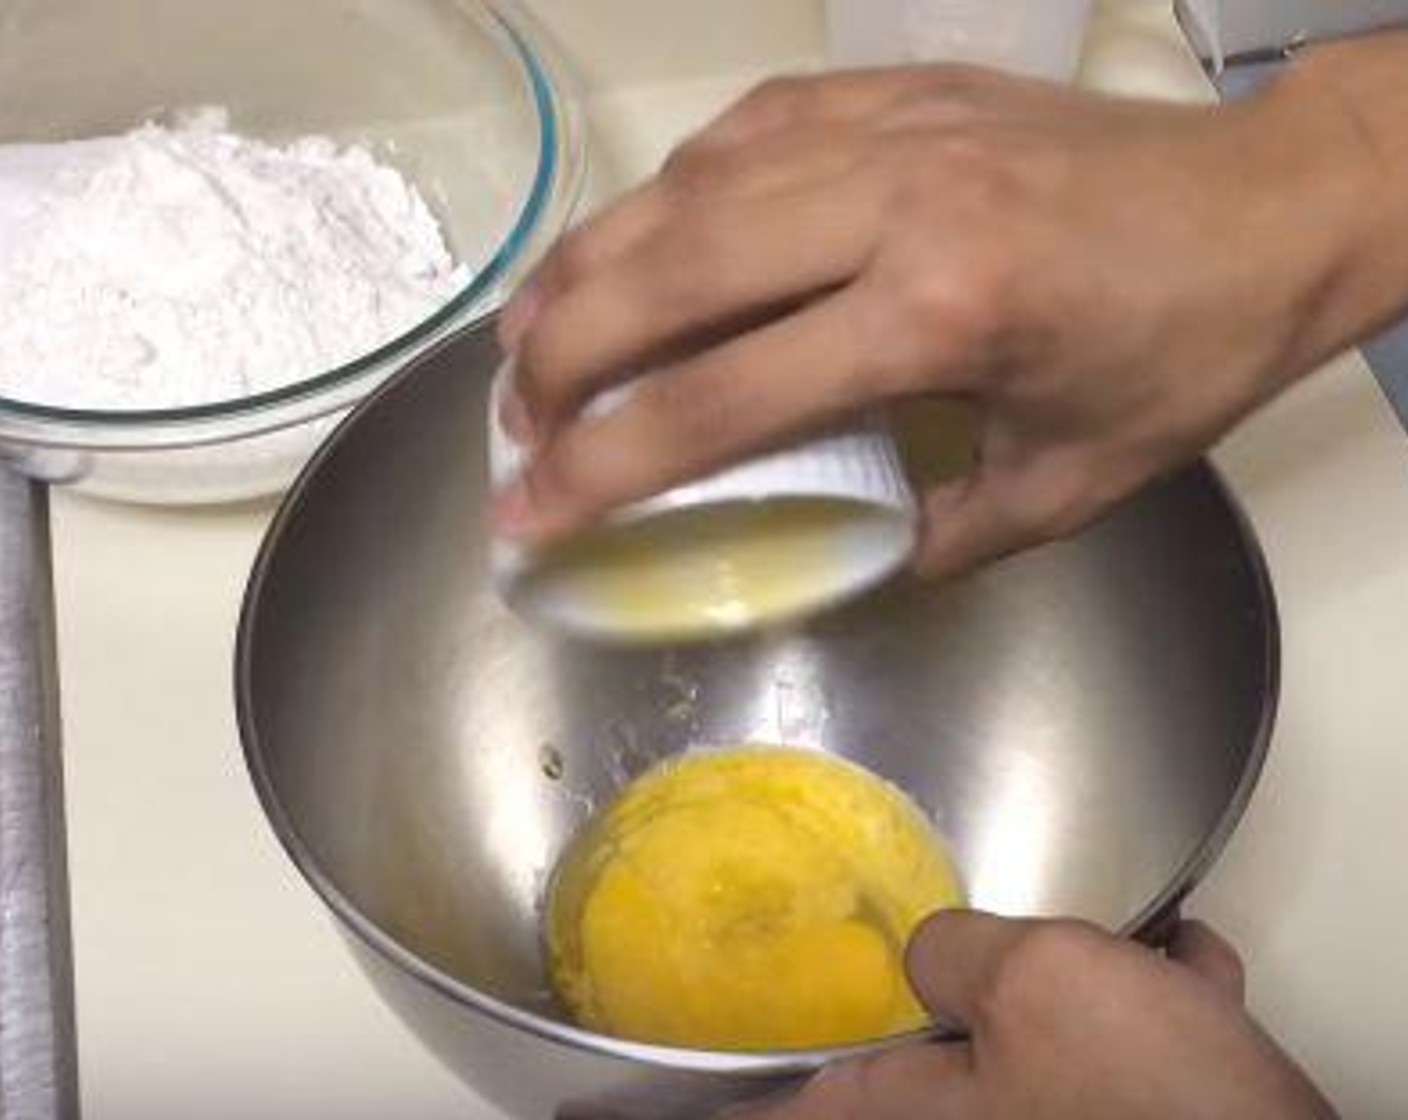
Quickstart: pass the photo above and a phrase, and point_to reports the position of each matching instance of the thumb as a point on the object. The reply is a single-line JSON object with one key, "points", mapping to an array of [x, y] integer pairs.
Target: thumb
{"points": [[965, 524], [997, 510], [953, 959]]}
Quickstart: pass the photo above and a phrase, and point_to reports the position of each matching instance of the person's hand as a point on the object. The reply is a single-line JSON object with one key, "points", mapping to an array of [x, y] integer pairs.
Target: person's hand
{"points": [[1068, 1023], [1111, 284]]}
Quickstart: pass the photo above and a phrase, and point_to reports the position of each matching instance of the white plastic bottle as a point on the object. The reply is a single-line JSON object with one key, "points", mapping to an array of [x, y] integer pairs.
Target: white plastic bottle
{"points": [[1042, 38]]}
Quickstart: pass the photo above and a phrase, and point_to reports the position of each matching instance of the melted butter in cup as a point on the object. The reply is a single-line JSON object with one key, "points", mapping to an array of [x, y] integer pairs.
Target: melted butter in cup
{"points": [[770, 541], [720, 569]]}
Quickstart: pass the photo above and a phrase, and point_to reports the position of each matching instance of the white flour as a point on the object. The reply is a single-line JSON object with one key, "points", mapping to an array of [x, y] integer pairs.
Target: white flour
{"points": [[171, 267]]}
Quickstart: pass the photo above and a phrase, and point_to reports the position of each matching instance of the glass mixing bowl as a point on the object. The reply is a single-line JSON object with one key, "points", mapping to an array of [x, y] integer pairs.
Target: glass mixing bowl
{"points": [[466, 97]]}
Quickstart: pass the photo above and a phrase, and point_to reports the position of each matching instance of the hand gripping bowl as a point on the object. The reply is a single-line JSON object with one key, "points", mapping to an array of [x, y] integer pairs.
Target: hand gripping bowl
{"points": [[466, 97], [1087, 723]]}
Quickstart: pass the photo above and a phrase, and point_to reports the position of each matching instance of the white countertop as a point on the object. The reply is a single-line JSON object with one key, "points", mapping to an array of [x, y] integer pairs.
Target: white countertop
{"points": [[212, 985]]}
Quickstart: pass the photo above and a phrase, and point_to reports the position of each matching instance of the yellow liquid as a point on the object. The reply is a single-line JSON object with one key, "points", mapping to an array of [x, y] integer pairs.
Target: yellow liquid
{"points": [[751, 899], [715, 570]]}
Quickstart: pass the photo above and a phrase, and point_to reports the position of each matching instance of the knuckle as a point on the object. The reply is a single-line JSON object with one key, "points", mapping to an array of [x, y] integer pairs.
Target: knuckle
{"points": [[693, 162], [573, 258], [563, 479], [536, 368], [552, 378], [679, 424], [1065, 946], [775, 102], [924, 295], [1050, 955], [959, 304], [550, 480], [704, 167]]}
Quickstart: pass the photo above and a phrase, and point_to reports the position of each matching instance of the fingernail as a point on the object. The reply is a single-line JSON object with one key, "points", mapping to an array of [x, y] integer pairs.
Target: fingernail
{"points": [[517, 317], [515, 418], [512, 513]]}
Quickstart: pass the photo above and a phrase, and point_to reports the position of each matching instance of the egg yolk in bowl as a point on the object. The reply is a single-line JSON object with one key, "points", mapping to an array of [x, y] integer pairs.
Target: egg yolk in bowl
{"points": [[747, 899]]}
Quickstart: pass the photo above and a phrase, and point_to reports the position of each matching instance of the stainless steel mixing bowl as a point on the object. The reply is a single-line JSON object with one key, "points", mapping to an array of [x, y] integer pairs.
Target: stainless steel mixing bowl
{"points": [[1087, 723]]}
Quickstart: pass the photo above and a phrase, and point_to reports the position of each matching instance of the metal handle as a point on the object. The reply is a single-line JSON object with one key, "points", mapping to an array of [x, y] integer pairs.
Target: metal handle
{"points": [[38, 1049]]}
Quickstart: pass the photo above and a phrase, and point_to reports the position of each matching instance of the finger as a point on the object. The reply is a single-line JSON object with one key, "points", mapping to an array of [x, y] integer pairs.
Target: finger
{"points": [[753, 394], [612, 231], [965, 524], [900, 1084], [1204, 951], [733, 263], [1013, 502], [682, 422], [954, 958]]}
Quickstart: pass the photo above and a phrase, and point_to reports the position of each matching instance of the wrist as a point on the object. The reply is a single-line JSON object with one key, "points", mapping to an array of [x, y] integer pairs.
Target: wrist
{"points": [[1340, 121]]}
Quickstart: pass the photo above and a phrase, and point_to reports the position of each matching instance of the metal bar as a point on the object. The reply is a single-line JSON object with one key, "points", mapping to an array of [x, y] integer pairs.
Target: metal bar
{"points": [[1261, 29], [38, 1048]]}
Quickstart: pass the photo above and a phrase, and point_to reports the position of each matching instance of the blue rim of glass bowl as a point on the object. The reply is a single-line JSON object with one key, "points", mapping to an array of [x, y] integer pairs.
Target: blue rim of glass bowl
{"points": [[377, 363]]}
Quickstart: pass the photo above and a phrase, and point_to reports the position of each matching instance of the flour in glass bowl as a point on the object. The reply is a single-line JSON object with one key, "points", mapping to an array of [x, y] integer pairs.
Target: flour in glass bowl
{"points": [[170, 267]]}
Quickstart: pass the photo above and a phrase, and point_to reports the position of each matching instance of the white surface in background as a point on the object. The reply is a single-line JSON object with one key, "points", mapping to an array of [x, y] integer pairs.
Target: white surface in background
{"points": [[212, 986]]}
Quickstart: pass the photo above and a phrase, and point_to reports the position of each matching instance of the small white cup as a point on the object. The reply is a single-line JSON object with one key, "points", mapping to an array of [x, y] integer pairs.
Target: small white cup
{"points": [[769, 541], [1040, 38]]}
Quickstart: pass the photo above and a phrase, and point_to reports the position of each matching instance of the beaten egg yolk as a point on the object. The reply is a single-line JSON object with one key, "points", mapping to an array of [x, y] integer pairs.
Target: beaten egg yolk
{"points": [[750, 899]]}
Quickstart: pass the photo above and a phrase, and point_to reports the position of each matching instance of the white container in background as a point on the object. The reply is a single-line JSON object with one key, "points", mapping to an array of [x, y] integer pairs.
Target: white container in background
{"points": [[766, 542], [1040, 38]]}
